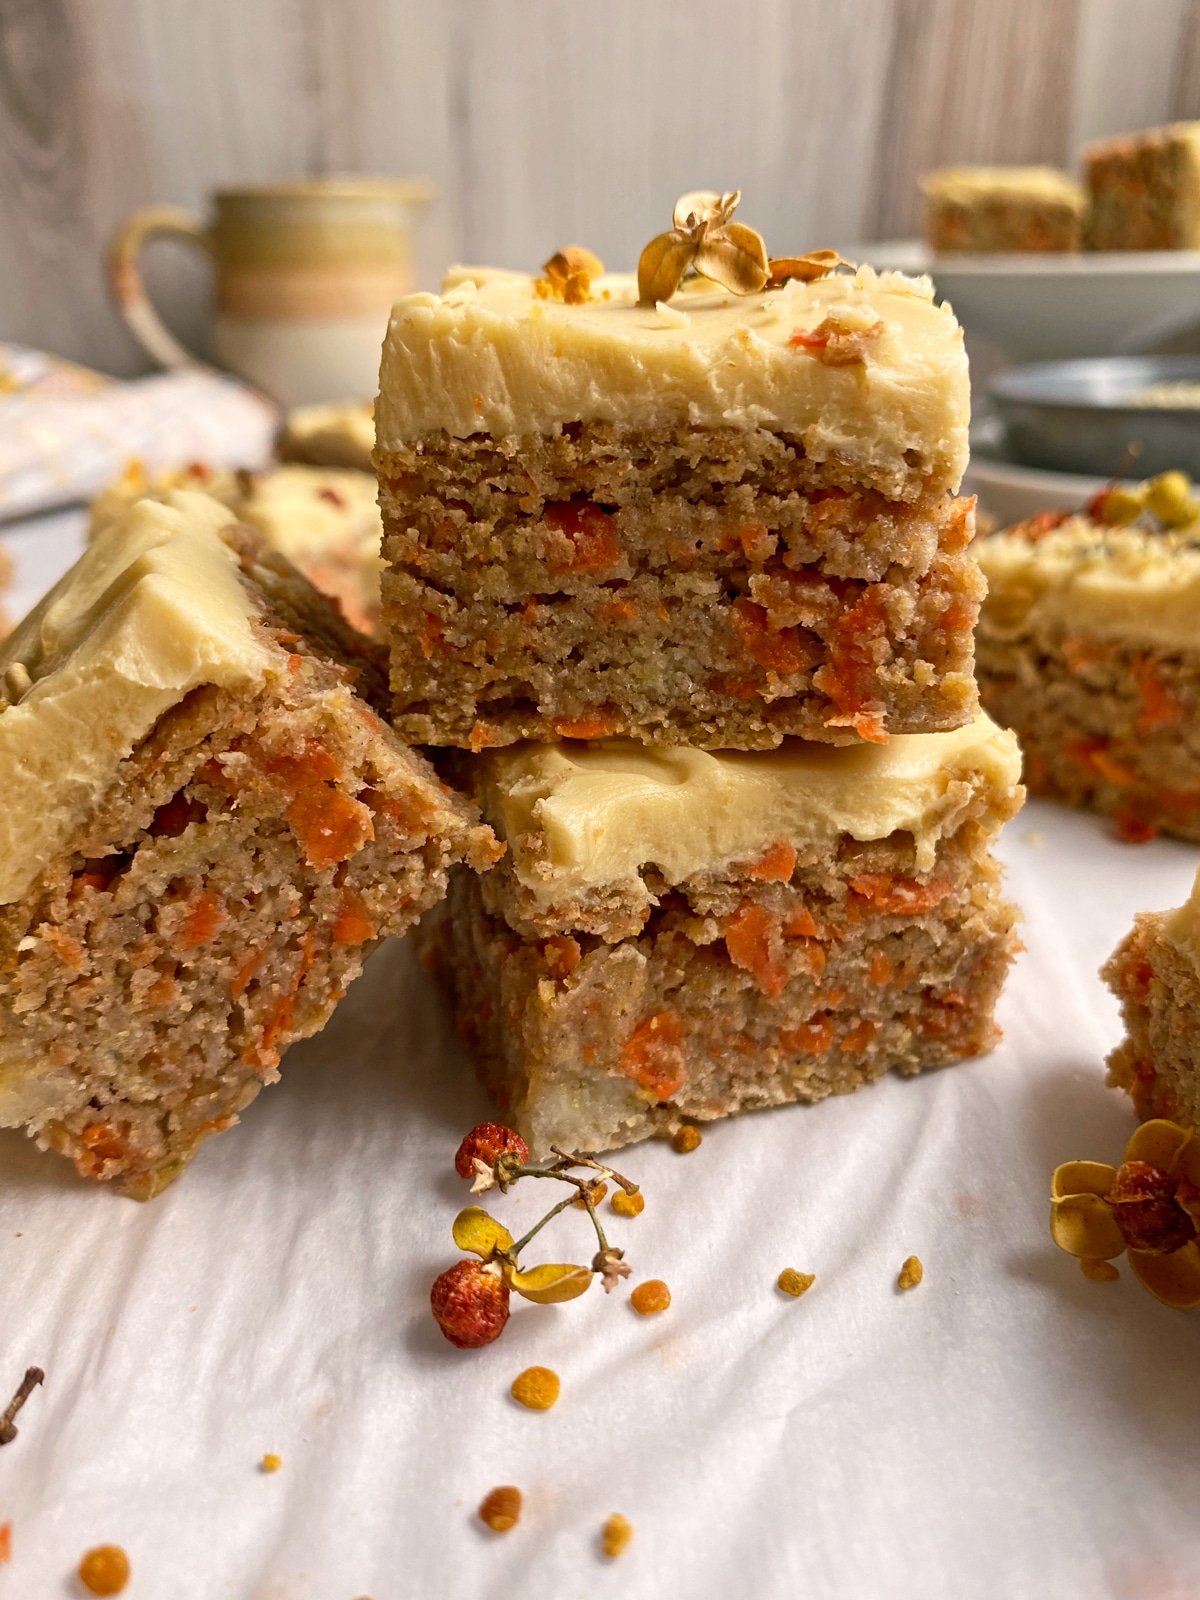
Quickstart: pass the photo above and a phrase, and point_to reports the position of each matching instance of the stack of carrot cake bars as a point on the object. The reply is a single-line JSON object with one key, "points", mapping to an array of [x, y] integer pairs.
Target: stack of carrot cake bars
{"points": [[676, 566]]}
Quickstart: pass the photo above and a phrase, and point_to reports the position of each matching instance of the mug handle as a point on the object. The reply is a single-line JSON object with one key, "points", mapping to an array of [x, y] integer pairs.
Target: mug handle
{"points": [[125, 279]]}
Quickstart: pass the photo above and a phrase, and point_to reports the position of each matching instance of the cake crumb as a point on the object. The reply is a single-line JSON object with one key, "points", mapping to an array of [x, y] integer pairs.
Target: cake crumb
{"points": [[271, 1462], [650, 1297], [1033, 836], [1098, 1271], [686, 1139], [104, 1569], [537, 1388], [911, 1273], [628, 1205], [615, 1535], [501, 1508], [795, 1283]]}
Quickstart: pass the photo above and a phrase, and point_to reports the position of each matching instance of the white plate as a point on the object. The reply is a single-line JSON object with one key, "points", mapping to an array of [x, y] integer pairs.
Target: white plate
{"points": [[1011, 493], [1050, 307]]}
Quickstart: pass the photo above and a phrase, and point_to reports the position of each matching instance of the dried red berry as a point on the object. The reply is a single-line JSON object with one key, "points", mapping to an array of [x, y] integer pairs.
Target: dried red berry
{"points": [[1144, 1205], [487, 1143], [470, 1303]]}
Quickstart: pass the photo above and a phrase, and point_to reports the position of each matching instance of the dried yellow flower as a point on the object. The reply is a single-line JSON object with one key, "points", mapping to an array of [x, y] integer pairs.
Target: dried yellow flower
{"points": [[795, 1283], [628, 1205], [1146, 1207], [500, 1508], [706, 240], [615, 1535], [271, 1462], [807, 268], [686, 1139], [1099, 1271], [568, 275], [911, 1273]]}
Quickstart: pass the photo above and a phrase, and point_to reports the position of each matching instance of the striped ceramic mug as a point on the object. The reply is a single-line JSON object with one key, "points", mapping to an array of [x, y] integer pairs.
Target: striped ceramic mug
{"points": [[306, 274]]}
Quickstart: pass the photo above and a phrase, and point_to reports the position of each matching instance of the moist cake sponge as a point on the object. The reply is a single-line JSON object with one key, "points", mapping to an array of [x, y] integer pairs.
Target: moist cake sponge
{"points": [[720, 521], [1144, 190], [205, 829], [676, 933]]}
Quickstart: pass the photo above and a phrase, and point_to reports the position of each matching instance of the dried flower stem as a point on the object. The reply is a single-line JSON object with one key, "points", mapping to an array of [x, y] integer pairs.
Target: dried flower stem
{"points": [[8, 1430]]}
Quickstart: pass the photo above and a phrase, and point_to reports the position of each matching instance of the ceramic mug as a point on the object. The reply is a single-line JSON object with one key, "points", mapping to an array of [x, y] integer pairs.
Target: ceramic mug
{"points": [[306, 275]]}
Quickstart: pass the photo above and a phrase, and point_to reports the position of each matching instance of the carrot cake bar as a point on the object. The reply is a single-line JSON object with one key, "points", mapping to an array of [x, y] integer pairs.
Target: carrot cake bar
{"points": [[995, 209], [1155, 973], [717, 521], [1144, 190], [330, 436], [325, 520], [679, 933], [1087, 647], [205, 829]]}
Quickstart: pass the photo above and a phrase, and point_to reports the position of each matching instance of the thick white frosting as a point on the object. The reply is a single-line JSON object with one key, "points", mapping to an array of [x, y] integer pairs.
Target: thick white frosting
{"points": [[580, 817], [153, 609], [1110, 583], [489, 355]]}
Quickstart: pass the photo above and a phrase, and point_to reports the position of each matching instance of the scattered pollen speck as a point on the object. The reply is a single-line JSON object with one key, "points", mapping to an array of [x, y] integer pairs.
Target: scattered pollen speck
{"points": [[794, 1283], [615, 1535], [911, 1273]]}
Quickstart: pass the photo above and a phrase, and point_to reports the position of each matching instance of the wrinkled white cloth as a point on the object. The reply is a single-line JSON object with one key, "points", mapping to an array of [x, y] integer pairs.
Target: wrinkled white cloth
{"points": [[66, 432], [1006, 1431]]}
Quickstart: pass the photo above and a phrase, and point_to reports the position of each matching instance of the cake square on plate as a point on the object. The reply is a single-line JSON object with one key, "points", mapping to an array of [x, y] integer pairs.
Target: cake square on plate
{"points": [[1087, 648], [205, 829], [1144, 190], [999, 209]]}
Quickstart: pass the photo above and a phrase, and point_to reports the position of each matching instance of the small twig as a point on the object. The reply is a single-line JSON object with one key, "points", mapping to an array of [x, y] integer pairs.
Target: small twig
{"points": [[598, 1166], [514, 1250], [591, 1211], [8, 1430]]}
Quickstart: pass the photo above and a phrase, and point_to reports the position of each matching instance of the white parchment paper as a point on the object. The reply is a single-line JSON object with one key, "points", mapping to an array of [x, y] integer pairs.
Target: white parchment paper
{"points": [[1006, 1430]]}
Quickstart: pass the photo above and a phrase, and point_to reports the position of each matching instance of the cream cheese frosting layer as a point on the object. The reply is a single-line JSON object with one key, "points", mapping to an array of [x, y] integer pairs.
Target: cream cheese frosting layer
{"points": [[1111, 583], [154, 608], [582, 817], [964, 185], [488, 355]]}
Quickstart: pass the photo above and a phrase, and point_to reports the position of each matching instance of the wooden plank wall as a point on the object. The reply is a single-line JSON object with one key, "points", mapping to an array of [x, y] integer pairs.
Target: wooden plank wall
{"points": [[540, 121]]}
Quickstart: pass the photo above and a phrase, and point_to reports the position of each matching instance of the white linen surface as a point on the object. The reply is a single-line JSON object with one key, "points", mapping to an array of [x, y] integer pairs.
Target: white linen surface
{"points": [[1006, 1430]]}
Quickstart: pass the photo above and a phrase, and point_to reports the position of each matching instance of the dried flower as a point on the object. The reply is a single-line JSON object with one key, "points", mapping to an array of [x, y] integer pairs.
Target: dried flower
{"points": [[615, 1535], [705, 240], [470, 1301], [271, 1462], [911, 1273], [686, 1139], [1147, 1207], [651, 1297], [611, 1266], [568, 276], [537, 1388], [806, 269], [5, 1543], [794, 1283], [501, 1508], [628, 1205]]}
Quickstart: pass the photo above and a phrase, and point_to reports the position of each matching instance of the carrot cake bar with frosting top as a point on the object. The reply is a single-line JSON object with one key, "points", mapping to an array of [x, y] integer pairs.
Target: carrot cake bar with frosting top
{"points": [[678, 933], [1088, 647], [714, 519], [205, 828]]}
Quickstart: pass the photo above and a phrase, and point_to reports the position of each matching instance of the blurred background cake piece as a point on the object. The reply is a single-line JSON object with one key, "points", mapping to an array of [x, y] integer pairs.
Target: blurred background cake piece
{"points": [[1144, 190], [998, 209]]}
